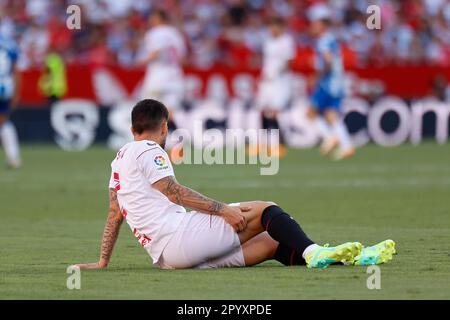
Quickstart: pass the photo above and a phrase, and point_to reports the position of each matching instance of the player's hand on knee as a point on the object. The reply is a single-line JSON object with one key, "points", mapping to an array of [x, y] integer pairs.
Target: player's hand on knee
{"points": [[234, 217]]}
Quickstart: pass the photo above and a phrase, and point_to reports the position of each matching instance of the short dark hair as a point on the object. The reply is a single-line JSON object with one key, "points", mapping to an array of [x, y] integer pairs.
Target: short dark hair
{"points": [[147, 115]]}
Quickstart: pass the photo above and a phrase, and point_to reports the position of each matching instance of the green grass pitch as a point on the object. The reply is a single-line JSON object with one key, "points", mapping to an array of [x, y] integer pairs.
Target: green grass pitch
{"points": [[53, 212]]}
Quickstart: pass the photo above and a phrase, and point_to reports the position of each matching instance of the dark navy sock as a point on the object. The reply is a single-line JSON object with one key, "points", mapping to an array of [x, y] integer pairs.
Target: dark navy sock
{"points": [[289, 256], [284, 229]]}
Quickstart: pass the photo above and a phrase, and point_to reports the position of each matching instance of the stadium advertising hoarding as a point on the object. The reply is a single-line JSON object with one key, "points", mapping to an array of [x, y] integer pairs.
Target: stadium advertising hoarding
{"points": [[382, 106]]}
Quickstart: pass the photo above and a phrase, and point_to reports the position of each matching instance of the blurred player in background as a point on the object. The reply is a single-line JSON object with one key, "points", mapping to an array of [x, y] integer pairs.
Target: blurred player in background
{"points": [[328, 92], [53, 81], [274, 91], [163, 53], [9, 87]]}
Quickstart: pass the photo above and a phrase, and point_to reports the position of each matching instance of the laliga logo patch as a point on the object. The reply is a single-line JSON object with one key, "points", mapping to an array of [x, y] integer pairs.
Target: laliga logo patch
{"points": [[160, 162]]}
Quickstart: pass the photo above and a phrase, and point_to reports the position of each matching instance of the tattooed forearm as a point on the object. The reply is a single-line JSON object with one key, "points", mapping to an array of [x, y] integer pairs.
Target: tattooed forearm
{"points": [[187, 197], [215, 206], [172, 189], [112, 227]]}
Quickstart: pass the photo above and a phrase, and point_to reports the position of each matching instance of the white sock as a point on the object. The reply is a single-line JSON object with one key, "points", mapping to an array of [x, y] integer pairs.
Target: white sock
{"points": [[341, 133], [8, 137], [309, 248], [324, 128]]}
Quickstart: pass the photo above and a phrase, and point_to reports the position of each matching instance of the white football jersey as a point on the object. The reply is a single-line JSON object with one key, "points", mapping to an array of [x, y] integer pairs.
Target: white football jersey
{"points": [[152, 217], [277, 51], [169, 42]]}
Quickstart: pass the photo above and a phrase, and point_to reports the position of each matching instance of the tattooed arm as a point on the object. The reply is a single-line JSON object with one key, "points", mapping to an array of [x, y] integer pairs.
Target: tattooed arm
{"points": [[110, 233], [192, 199]]}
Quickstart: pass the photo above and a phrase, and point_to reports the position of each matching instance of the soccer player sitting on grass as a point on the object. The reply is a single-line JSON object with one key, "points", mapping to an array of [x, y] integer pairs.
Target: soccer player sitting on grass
{"points": [[144, 191]]}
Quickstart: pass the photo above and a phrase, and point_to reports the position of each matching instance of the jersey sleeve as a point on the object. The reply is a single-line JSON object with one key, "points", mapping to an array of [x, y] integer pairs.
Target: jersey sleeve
{"points": [[113, 179], [111, 183], [154, 163]]}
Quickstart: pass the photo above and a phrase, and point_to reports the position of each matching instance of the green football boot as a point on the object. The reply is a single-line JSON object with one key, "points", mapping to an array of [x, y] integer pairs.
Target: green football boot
{"points": [[322, 257], [377, 254]]}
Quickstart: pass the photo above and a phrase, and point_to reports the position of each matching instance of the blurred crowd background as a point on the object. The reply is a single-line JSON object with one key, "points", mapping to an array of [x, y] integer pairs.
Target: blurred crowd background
{"points": [[227, 32]]}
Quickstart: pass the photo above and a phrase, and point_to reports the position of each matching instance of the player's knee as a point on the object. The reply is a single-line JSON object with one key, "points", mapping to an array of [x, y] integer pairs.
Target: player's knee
{"points": [[270, 203], [330, 116], [270, 114], [259, 206], [265, 204]]}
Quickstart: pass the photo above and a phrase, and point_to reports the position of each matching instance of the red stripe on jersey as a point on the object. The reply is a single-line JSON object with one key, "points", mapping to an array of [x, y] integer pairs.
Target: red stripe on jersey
{"points": [[145, 152], [117, 181], [124, 213]]}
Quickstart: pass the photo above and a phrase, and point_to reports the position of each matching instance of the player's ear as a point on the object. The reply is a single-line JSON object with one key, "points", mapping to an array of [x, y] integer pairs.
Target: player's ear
{"points": [[164, 128]]}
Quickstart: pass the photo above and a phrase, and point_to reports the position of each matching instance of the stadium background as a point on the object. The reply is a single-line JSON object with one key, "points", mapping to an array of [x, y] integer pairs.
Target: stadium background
{"points": [[409, 59], [54, 206]]}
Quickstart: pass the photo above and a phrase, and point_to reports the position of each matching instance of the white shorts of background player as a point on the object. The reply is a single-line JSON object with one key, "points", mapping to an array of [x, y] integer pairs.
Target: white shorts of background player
{"points": [[274, 94]]}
